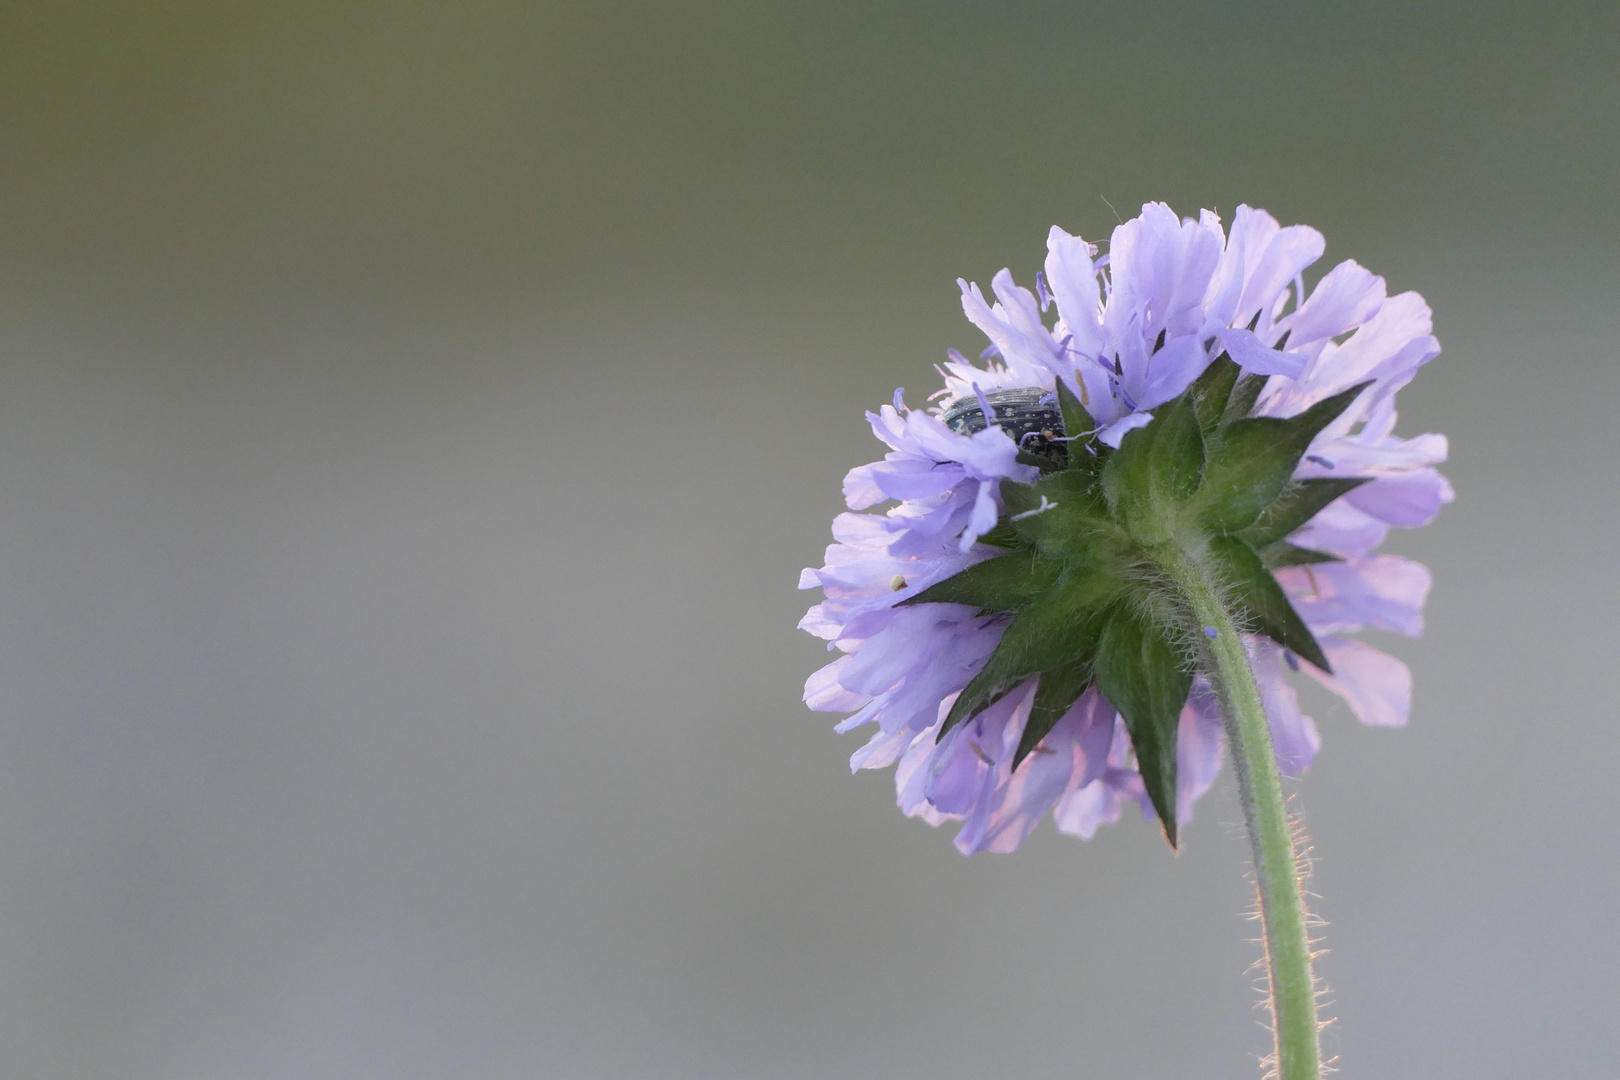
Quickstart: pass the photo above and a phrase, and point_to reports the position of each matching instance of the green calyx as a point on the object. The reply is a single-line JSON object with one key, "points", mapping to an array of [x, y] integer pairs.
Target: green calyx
{"points": [[1083, 577]]}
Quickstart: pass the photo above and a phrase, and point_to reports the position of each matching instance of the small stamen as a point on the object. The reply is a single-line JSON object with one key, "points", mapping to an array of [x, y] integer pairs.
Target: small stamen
{"points": [[900, 400], [1040, 287], [1055, 437], [990, 352], [981, 755], [1291, 659], [897, 583], [1322, 461], [956, 357], [1046, 504]]}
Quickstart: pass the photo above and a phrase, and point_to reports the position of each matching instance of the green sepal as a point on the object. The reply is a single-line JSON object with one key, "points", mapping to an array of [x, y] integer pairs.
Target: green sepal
{"points": [[1075, 522], [1074, 489], [1156, 470], [1211, 391], [1282, 553], [1078, 428], [1060, 688], [1261, 601], [1002, 534], [1139, 669], [1244, 395], [1252, 460], [1056, 628], [1047, 463], [981, 692], [1298, 503], [1004, 583]]}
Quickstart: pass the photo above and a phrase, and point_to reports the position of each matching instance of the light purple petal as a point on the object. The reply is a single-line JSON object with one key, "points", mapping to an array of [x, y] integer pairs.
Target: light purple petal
{"points": [[823, 692], [1095, 720], [912, 772], [1198, 753], [1072, 754], [1161, 270], [1386, 455], [1342, 530], [986, 509], [1014, 327], [1347, 296], [1251, 354], [1170, 371], [1115, 433], [911, 478], [1382, 591], [883, 749], [1251, 232], [1407, 499], [1081, 813], [953, 657], [1100, 802], [1073, 280], [956, 774], [1376, 686], [889, 655], [1285, 256], [1389, 347], [1293, 734], [861, 489]]}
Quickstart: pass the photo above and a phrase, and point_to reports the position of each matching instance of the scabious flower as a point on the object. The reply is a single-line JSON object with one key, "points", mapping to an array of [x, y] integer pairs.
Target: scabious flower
{"points": [[1175, 307]]}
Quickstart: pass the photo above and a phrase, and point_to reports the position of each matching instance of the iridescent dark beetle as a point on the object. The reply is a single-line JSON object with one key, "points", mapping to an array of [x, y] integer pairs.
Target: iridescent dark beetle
{"points": [[1030, 415]]}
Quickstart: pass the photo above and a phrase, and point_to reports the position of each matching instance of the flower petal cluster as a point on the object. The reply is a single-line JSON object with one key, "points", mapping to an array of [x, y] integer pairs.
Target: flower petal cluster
{"points": [[1125, 334]]}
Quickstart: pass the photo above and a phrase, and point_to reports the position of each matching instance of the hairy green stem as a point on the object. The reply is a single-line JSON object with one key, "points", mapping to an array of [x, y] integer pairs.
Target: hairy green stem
{"points": [[1282, 909]]}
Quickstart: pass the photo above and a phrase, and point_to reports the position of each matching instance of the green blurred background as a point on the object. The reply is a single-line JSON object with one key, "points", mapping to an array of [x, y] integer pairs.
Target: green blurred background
{"points": [[413, 419]]}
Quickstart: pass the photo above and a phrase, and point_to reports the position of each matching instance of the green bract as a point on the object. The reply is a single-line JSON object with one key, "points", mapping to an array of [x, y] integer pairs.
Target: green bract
{"points": [[1084, 579]]}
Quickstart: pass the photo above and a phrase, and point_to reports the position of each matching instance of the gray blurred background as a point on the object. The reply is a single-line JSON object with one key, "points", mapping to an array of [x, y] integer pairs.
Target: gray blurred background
{"points": [[413, 419]]}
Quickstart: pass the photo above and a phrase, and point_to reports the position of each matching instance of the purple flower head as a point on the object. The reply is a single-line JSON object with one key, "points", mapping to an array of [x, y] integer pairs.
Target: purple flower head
{"points": [[1176, 302]]}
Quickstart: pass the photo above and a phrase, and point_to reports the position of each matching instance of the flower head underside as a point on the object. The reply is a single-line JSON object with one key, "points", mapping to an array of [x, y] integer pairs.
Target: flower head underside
{"points": [[1004, 622]]}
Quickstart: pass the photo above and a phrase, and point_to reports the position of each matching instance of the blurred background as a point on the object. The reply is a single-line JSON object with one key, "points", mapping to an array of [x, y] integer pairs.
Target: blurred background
{"points": [[413, 419]]}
